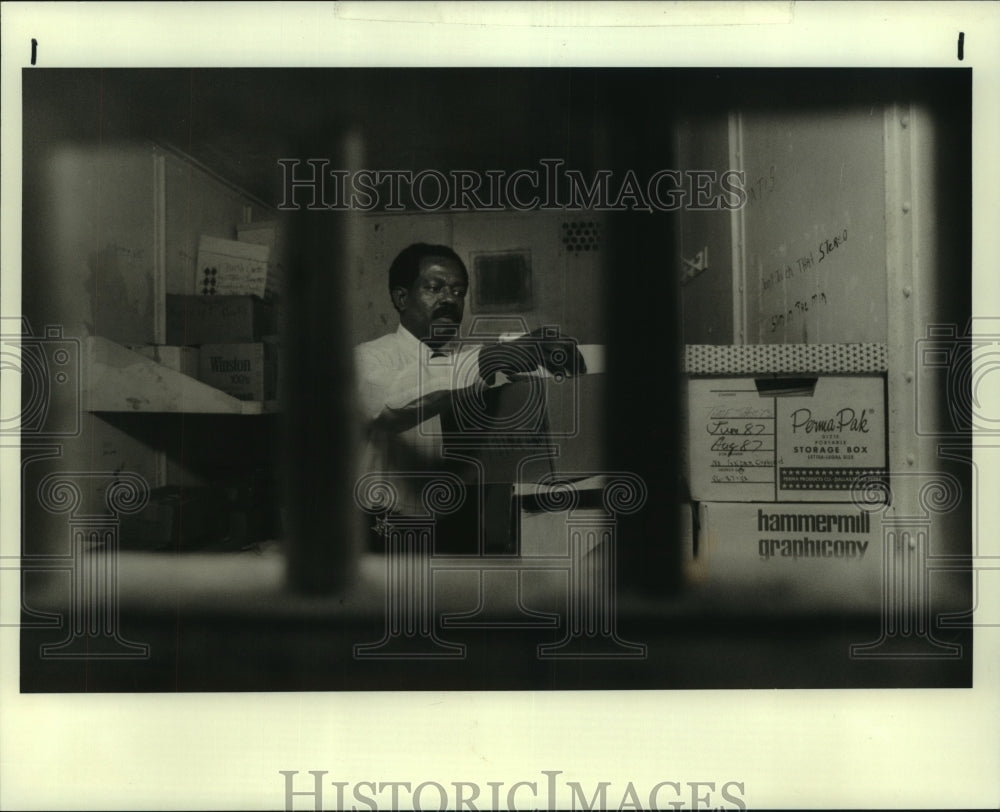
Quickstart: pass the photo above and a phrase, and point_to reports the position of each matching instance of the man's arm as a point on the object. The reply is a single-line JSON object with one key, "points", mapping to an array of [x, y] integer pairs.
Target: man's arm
{"points": [[557, 355], [400, 398]]}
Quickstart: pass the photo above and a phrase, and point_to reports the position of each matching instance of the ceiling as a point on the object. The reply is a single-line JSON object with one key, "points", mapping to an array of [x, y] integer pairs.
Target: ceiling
{"points": [[239, 122]]}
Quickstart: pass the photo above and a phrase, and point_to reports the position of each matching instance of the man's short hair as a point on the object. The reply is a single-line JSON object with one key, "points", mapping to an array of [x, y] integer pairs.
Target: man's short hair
{"points": [[405, 267]]}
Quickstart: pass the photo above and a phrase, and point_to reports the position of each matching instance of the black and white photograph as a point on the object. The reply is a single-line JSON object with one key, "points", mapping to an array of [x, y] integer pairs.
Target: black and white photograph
{"points": [[609, 391], [545, 394]]}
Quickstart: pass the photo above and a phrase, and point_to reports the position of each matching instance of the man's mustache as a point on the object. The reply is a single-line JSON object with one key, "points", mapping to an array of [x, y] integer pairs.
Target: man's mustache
{"points": [[446, 311]]}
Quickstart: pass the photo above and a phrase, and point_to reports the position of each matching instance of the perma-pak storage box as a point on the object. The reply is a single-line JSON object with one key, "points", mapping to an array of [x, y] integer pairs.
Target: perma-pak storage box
{"points": [[792, 423]]}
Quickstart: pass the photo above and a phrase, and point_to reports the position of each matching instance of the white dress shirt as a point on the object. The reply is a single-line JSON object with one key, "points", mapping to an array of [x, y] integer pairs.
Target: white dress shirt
{"points": [[401, 391]]}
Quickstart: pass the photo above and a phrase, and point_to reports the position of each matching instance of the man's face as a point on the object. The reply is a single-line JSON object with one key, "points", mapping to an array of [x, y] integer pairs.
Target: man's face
{"points": [[436, 297]]}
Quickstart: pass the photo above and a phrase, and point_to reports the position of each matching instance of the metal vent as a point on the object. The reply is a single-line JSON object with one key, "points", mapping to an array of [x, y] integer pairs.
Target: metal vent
{"points": [[501, 282], [581, 235]]}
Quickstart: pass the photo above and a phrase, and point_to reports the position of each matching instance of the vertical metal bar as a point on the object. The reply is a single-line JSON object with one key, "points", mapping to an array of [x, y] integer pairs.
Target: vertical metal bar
{"points": [[160, 280], [741, 333], [318, 413], [903, 298]]}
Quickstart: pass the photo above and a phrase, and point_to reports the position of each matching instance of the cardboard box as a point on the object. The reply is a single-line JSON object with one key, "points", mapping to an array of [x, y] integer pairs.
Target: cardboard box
{"points": [[804, 439], [535, 424], [181, 359], [804, 555], [234, 268], [245, 371], [195, 320], [271, 234]]}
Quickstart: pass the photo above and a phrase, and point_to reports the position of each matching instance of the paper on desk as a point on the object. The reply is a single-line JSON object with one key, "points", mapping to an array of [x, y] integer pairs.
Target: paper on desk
{"points": [[593, 356]]}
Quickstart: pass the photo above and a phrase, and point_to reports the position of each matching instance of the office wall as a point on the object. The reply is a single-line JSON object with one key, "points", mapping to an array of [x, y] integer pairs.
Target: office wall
{"points": [[567, 285], [814, 227], [707, 298]]}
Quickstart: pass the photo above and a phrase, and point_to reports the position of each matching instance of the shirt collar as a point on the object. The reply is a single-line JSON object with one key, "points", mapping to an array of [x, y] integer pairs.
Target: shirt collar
{"points": [[415, 348], [409, 343]]}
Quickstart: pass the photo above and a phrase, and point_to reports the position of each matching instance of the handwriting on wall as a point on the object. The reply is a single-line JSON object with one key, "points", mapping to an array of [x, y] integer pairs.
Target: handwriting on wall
{"points": [[802, 266], [798, 308], [815, 225], [806, 262], [761, 186], [831, 244]]}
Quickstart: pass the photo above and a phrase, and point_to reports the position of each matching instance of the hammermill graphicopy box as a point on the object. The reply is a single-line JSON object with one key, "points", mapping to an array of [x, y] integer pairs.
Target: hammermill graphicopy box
{"points": [[784, 423], [815, 554]]}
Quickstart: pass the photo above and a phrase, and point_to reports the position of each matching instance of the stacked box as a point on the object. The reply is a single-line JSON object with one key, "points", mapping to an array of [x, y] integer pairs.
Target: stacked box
{"points": [[234, 268], [248, 371], [805, 439], [781, 439], [196, 320], [806, 554], [268, 233]]}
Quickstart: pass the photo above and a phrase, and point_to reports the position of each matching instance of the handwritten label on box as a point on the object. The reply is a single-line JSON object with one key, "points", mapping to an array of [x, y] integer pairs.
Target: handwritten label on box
{"points": [[747, 445], [232, 268]]}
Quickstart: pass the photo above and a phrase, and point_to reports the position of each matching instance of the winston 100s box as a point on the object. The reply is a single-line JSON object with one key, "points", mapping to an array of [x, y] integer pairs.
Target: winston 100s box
{"points": [[245, 371], [783, 428], [816, 555]]}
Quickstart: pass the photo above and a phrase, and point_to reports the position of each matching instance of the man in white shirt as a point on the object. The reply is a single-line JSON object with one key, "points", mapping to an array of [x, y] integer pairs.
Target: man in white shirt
{"points": [[407, 381]]}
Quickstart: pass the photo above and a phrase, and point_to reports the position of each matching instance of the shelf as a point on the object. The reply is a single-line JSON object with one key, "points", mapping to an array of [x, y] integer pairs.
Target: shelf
{"points": [[116, 379]]}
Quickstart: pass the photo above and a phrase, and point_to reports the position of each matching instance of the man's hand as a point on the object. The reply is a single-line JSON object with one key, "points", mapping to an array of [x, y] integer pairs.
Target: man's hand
{"points": [[557, 355]]}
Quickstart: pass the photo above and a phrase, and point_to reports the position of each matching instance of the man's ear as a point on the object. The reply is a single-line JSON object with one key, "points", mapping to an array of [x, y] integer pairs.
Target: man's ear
{"points": [[399, 298]]}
